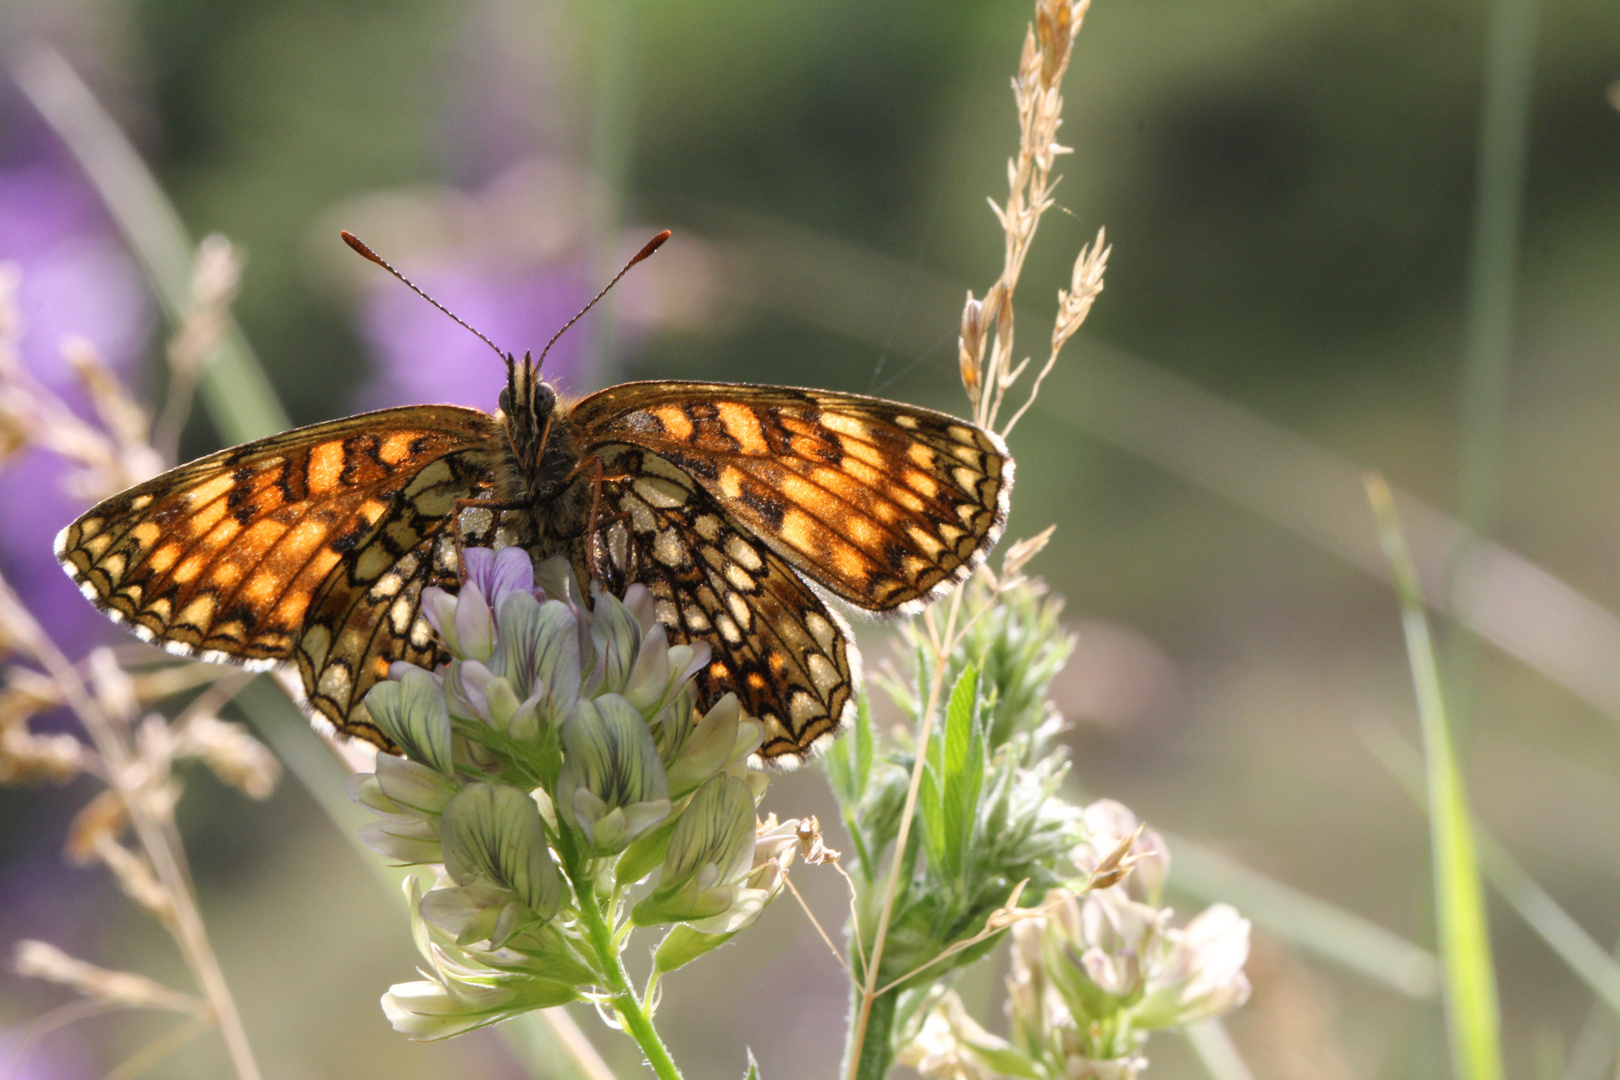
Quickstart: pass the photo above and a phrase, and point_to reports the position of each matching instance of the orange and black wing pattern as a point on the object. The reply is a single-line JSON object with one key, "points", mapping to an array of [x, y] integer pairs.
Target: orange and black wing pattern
{"points": [[776, 644], [884, 505], [311, 546]]}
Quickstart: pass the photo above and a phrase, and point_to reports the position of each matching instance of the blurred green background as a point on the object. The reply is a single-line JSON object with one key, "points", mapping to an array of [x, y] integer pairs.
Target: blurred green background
{"points": [[1289, 188]]}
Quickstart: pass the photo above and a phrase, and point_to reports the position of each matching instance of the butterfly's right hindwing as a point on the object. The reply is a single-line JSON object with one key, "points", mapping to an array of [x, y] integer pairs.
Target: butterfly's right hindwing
{"points": [[775, 643]]}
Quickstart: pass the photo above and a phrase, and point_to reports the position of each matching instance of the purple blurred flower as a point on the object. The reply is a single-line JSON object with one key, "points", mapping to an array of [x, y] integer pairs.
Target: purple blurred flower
{"points": [[58, 1057], [422, 357], [76, 280]]}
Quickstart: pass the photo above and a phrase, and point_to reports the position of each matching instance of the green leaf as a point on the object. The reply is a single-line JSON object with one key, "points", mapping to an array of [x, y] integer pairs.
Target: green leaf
{"points": [[1473, 1020], [839, 763], [931, 814], [962, 774], [862, 739], [682, 945]]}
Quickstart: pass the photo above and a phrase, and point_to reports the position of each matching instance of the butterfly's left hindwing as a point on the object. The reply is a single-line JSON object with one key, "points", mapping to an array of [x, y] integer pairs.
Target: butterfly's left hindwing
{"points": [[311, 546]]}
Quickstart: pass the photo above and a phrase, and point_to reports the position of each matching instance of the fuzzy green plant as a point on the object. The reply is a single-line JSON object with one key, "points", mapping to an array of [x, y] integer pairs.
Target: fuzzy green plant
{"points": [[991, 830]]}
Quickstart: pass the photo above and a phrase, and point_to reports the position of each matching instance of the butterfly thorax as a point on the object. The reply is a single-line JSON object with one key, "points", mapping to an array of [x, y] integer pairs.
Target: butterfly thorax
{"points": [[545, 455]]}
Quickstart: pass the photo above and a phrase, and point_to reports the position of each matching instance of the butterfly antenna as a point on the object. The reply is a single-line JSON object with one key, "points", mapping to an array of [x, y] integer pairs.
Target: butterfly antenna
{"points": [[360, 246], [651, 246]]}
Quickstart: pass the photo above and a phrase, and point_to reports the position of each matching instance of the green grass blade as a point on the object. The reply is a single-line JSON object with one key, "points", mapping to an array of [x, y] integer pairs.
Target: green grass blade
{"points": [[283, 727], [1472, 1017], [238, 396], [1314, 925], [1504, 135], [1589, 960]]}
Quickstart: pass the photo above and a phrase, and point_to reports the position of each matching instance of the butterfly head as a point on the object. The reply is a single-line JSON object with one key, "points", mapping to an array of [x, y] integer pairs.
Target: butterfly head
{"points": [[527, 403]]}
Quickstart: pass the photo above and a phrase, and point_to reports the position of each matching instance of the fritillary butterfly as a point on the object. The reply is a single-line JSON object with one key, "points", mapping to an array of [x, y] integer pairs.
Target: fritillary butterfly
{"points": [[739, 506]]}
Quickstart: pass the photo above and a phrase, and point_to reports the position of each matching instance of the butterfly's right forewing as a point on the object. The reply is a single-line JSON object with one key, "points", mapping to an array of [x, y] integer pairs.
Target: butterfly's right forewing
{"points": [[309, 545], [885, 505]]}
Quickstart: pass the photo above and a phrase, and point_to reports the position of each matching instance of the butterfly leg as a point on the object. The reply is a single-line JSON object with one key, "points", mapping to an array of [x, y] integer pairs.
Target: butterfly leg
{"points": [[596, 522]]}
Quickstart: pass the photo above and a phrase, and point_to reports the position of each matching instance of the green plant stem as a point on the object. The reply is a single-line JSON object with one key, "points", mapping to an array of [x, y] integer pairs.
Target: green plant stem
{"points": [[856, 1052], [877, 1049], [623, 996]]}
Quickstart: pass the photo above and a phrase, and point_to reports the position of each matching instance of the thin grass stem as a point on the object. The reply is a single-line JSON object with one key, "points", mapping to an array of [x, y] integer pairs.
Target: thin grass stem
{"points": [[239, 397], [58, 1018], [168, 862], [161, 1047], [820, 930], [1510, 57], [1589, 960], [1473, 1021], [1323, 929], [612, 152], [897, 858]]}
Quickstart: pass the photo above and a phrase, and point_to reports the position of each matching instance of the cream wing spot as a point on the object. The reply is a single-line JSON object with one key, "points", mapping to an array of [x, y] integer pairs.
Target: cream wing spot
{"points": [[210, 491], [335, 681], [199, 612], [738, 578]]}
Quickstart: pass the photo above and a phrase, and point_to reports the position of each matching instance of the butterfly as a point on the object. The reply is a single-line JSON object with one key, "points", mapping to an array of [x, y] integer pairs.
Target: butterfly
{"points": [[741, 507]]}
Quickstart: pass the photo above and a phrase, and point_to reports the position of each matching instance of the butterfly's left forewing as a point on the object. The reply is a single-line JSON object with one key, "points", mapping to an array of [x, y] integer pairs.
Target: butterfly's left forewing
{"points": [[311, 546]]}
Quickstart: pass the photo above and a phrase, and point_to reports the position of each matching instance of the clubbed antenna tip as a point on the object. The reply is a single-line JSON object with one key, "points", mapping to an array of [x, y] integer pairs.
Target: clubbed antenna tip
{"points": [[647, 249], [360, 247]]}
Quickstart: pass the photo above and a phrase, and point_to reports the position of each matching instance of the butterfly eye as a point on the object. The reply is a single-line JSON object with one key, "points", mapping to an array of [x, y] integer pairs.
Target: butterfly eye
{"points": [[545, 399], [506, 401]]}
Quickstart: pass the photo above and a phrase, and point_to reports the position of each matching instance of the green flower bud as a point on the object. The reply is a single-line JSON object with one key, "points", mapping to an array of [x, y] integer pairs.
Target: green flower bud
{"points": [[408, 838], [612, 787], [402, 787], [538, 654], [774, 848], [427, 1010], [493, 836], [457, 997], [682, 945], [709, 747], [412, 713], [710, 852], [556, 581], [662, 669], [470, 913], [617, 637]]}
